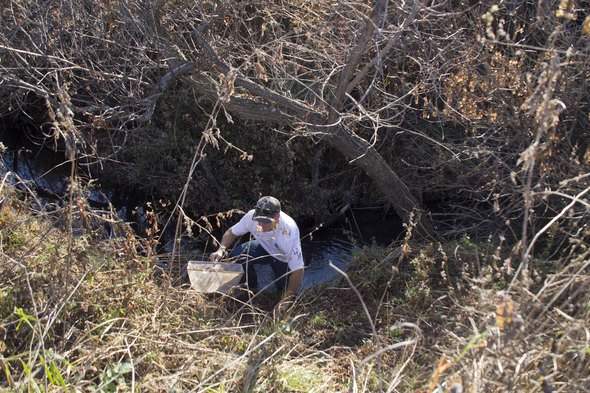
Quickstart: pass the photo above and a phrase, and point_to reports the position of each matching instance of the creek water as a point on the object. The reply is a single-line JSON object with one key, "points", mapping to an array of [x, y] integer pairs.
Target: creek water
{"points": [[358, 227], [47, 173]]}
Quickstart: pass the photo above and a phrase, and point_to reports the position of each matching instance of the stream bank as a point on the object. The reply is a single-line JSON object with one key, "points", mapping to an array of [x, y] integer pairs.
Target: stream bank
{"points": [[47, 173]]}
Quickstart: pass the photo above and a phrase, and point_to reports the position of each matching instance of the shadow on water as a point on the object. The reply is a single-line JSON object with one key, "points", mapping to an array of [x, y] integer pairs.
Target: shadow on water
{"points": [[358, 228], [47, 173], [335, 244]]}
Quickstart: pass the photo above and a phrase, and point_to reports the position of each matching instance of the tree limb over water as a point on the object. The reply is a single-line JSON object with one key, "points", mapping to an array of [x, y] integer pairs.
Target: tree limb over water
{"points": [[426, 98]]}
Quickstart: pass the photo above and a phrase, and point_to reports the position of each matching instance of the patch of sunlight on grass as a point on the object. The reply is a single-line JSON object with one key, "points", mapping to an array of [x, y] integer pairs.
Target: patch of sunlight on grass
{"points": [[299, 378]]}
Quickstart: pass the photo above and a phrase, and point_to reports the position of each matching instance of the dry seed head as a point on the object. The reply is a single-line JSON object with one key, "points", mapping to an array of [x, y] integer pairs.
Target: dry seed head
{"points": [[566, 10], [488, 18], [586, 26]]}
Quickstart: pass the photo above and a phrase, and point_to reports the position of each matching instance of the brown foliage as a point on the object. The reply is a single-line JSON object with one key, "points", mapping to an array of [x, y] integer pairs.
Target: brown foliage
{"points": [[453, 83], [480, 105]]}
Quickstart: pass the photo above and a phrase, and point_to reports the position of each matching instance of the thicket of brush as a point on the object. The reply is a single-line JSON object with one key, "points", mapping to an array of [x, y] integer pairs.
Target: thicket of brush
{"points": [[482, 107]]}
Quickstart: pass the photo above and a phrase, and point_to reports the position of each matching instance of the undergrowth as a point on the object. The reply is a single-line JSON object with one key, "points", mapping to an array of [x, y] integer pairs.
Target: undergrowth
{"points": [[83, 313]]}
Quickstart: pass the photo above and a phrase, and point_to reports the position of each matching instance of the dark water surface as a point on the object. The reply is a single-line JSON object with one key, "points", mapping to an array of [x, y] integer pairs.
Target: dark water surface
{"points": [[357, 228]]}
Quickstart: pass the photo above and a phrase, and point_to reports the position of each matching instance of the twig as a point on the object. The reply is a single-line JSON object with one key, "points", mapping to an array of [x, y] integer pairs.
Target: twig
{"points": [[543, 230], [132, 366]]}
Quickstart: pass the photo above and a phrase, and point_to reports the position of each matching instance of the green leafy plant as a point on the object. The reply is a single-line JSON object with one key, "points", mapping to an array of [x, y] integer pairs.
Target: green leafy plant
{"points": [[24, 318], [299, 378], [418, 287], [112, 379], [54, 375]]}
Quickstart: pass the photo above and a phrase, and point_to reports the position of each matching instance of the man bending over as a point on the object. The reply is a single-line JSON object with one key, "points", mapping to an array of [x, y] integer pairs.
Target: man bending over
{"points": [[275, 241]]}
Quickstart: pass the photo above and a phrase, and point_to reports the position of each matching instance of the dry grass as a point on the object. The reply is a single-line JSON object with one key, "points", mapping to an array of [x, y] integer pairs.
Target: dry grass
{"points": [[486, 113], [81, 313]]}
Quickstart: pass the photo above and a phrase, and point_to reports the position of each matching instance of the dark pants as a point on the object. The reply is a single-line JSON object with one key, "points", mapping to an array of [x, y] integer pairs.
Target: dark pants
{"points": [[252, 253]]}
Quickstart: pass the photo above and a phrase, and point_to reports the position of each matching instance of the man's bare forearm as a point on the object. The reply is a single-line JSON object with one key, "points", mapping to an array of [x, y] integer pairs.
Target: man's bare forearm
{"points": [[227, 240], [294, 283]]}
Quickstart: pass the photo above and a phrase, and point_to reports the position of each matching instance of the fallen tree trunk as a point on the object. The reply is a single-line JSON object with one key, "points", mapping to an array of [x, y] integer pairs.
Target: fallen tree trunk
{"points": [[361, 153], [282, 109]]}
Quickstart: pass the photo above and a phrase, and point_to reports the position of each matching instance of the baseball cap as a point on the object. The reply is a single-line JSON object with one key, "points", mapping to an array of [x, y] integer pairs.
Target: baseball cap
{"points": [[266, 208]]}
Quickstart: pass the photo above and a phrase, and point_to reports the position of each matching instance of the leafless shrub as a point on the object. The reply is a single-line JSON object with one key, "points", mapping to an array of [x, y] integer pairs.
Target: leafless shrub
{"points": [[481, 104]]}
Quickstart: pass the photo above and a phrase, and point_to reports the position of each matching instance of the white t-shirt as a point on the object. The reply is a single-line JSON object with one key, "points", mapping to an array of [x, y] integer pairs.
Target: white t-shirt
{"points": [[282, 243]]}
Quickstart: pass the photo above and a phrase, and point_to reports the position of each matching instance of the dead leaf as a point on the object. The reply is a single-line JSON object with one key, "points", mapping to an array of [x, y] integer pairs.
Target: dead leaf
{"points": [[443, 365], [504, 311], [260, 72]]}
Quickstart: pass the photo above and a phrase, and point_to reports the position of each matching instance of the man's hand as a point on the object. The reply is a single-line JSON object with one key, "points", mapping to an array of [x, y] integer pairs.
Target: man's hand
{"points": [[287, 301], [217, 255], [227, 240], [283, 305]]}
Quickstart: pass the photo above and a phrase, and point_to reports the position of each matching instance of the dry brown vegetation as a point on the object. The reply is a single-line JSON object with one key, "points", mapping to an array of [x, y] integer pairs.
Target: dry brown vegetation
{"points": [[479, 110], [89, 315]]}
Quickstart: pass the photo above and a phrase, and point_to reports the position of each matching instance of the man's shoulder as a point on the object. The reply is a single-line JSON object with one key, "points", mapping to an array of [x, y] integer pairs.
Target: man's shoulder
{"points": [[245, 223], [288, 220], [289, 228], [247, 218]]}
